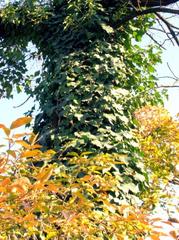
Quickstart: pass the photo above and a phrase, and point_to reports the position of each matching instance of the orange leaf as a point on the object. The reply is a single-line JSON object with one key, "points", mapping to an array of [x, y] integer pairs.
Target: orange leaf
{"points": [[5, 129], [38, 186], [19, 135], [69, 215], [45, 174], [5, 182], [36, 146], [32, 153], [173, 234], [21, 185], [24, 182], [20, 122], [52, 188], [3, 161], [2, 170], [86, 178], [3, 199], [23, 144], [155, 237], [153, 220], [29, 217]]}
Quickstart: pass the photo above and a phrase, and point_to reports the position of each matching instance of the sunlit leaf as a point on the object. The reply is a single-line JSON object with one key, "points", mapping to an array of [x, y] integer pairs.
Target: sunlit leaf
{"points": [[12, 153], [5, 129], [30, 153], [23, 144], [45, 174], [20, 122]]}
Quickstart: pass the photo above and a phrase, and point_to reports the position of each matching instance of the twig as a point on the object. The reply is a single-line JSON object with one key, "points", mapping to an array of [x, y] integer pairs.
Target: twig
{"points": [[169, 26], [168, 86], [176, 79], [22, 103], [153, 39], [171, 71]]}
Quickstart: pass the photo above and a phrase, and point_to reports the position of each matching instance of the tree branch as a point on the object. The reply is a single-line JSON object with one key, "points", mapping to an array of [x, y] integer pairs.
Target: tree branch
{"points": [[137, 13], [155, 41], [169, 26], [168, 86], [153, 3]]}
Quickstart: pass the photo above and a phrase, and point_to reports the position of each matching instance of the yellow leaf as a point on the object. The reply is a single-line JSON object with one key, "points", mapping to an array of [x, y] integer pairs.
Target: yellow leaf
{"points": [[50, 152], [12, 153], [21, 185], [20, 122], [33, 138], [5, 129]]}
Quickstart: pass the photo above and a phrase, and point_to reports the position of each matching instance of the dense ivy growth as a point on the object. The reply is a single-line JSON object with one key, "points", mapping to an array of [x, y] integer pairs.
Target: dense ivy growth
{"points": [[94, 74]]}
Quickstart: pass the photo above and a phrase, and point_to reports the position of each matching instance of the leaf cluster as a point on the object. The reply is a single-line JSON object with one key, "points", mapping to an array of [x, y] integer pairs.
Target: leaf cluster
{"points": [[56, 201]]}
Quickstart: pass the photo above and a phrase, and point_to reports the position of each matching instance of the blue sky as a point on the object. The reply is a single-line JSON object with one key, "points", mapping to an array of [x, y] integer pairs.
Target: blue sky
{"points": [[171, 56]]}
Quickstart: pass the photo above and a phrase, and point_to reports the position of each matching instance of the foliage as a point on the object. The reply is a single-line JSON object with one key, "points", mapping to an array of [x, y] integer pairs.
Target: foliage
{"points": [[71, 202], [158, 135], [92, 79]]}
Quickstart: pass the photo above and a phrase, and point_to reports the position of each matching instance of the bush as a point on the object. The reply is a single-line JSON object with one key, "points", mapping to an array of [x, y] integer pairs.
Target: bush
{"points": [[83, 196]]}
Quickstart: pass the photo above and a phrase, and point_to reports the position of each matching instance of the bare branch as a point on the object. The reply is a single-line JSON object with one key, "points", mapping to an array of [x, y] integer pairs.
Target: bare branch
{"points": [[172, 71], [154, 40], [169, 26], [168, 86], [169, 38], [173, 78], [23, 102]]}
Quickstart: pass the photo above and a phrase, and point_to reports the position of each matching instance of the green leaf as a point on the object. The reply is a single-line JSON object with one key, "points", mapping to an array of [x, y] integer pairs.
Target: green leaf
{"points": [[107, 28]]}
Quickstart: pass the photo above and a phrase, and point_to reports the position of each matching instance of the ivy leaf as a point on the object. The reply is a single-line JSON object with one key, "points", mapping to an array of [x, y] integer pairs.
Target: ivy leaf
{"points": [[107, 28]]}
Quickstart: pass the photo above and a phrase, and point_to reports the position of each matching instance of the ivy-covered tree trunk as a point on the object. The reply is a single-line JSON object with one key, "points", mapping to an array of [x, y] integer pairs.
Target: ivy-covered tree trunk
{"points": [[94, 77], [94, 73]]}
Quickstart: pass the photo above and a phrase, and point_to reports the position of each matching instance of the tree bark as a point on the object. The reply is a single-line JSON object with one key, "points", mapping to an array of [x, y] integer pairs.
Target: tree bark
{"points": [[152, 3], [138, 3]]}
